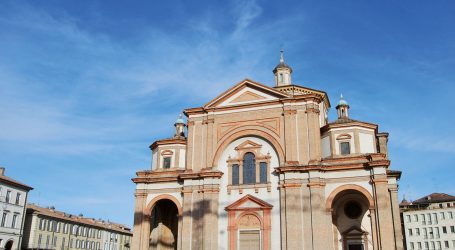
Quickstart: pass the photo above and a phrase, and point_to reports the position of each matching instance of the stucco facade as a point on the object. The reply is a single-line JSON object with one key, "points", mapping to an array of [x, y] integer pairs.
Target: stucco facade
{"points": [[13, 199], [263, 168]]}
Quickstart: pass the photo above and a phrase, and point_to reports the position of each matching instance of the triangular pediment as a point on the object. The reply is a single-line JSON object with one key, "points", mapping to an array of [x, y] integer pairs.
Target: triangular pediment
{"points": [[246, 92], [248, 144], [249, 202]]}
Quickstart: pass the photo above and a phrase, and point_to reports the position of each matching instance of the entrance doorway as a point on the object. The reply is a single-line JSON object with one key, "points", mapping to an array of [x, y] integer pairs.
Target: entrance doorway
{"points": [[250, 240], [355, 247], [164, 226], [9, 245]]}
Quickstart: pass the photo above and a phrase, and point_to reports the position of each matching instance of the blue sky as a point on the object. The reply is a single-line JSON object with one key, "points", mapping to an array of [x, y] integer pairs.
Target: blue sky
{"points": [[87, 86]]}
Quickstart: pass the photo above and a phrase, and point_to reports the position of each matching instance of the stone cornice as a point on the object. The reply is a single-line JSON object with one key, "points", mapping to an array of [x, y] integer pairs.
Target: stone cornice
{"points": [[169, 141], [173, 175], [337, 164]]}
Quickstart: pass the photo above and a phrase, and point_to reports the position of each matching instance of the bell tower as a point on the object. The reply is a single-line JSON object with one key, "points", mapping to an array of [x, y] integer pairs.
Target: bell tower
{"points": [[282, 72], [342, 108]]}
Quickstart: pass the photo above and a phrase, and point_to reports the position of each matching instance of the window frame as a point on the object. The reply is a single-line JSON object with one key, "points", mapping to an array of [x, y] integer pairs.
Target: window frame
{"points": [[259, 160]]}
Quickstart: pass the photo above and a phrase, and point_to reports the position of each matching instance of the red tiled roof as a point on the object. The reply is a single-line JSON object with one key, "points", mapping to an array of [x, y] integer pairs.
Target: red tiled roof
{"points": [[78, 219], [435, 197], [13, 182]]}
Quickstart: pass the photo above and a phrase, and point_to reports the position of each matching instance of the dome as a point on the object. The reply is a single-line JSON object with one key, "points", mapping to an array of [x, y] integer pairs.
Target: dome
{"points": [[180, 120], [342, 101], [282, 65]]}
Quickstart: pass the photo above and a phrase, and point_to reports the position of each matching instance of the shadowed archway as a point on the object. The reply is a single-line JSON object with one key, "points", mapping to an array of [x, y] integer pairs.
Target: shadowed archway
{"points": [[9, 245], [164, 221]]}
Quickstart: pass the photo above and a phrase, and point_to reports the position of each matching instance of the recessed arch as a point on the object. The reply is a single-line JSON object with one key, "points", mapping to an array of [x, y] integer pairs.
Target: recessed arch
{"points": [[245, 131], [347, 187], [153, 202]]}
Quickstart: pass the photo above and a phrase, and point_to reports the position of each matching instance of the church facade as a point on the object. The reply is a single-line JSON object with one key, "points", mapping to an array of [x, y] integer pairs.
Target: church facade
{"points": [[262, 167]]}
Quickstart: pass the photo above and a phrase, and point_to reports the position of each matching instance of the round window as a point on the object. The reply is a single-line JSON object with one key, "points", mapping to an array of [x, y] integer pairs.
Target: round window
{"points": [[352, 209]]}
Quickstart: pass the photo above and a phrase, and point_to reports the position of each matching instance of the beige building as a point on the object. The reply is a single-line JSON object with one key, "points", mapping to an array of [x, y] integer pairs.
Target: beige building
{"points": [[13, 198], [47, 228], [262, 168], [429, 222]]}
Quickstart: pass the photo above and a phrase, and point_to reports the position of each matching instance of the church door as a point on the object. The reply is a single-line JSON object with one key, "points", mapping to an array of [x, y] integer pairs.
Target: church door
{"points": [[355, 247], [250, 240]]}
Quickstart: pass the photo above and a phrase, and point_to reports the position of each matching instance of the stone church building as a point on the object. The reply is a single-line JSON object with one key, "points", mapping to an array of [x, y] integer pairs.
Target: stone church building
{"points": [[262, 167]]}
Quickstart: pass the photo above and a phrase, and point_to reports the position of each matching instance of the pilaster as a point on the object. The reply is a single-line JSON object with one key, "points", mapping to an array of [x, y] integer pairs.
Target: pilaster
{"points": [[138, 219], [396, 216], [321, 218], [293, 215], [186, 219], [314, 131], [384, 213], [289, 133]]}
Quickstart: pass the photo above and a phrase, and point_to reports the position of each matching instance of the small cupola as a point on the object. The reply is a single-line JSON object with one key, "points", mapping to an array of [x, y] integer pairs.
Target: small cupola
{"points": [[179, 127], [342, 108], [282, 72]]}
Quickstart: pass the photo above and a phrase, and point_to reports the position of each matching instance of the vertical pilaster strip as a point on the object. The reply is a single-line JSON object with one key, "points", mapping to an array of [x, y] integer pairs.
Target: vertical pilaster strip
{"points": [[293, 216], [384, 212], [186, 219], [289, 133], [209, 142], [138, 217], [197, 217], [314, 133], [396, 216], [145, 238], [306, 210], [283, 218], [189, 145], [321, 218], [374, 231], [303, 138]]}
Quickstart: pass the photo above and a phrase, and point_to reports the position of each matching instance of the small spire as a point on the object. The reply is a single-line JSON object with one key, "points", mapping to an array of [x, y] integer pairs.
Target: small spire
{"points": [[281, 56], [341, 96]]}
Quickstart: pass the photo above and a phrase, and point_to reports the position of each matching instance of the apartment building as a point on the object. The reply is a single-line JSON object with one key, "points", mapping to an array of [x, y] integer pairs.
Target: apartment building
{"points": [[13, 198], [47, 228], [428, 223]]}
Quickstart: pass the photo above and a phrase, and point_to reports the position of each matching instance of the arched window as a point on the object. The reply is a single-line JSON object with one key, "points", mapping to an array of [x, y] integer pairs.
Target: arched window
{"points": [[249, 168]]}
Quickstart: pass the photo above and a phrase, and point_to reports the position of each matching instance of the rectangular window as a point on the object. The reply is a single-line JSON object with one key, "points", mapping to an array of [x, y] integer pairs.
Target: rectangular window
{"points": [[444, 229], [440, 205], [18, 198], [13, 222], [443, 217], [4, 217], [426, 245], [47, 241], [446, 244], [166, 162], [410, 231], [63, 243], [416, 218], [448, 204], [40, 225], [452, 229], [408, 218], [439, 245], [412, 245], [263, 172], [417, 231], [235, 174], [450, 215], [39, 240], [8, 196], [419, 245], [345, 148]]}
